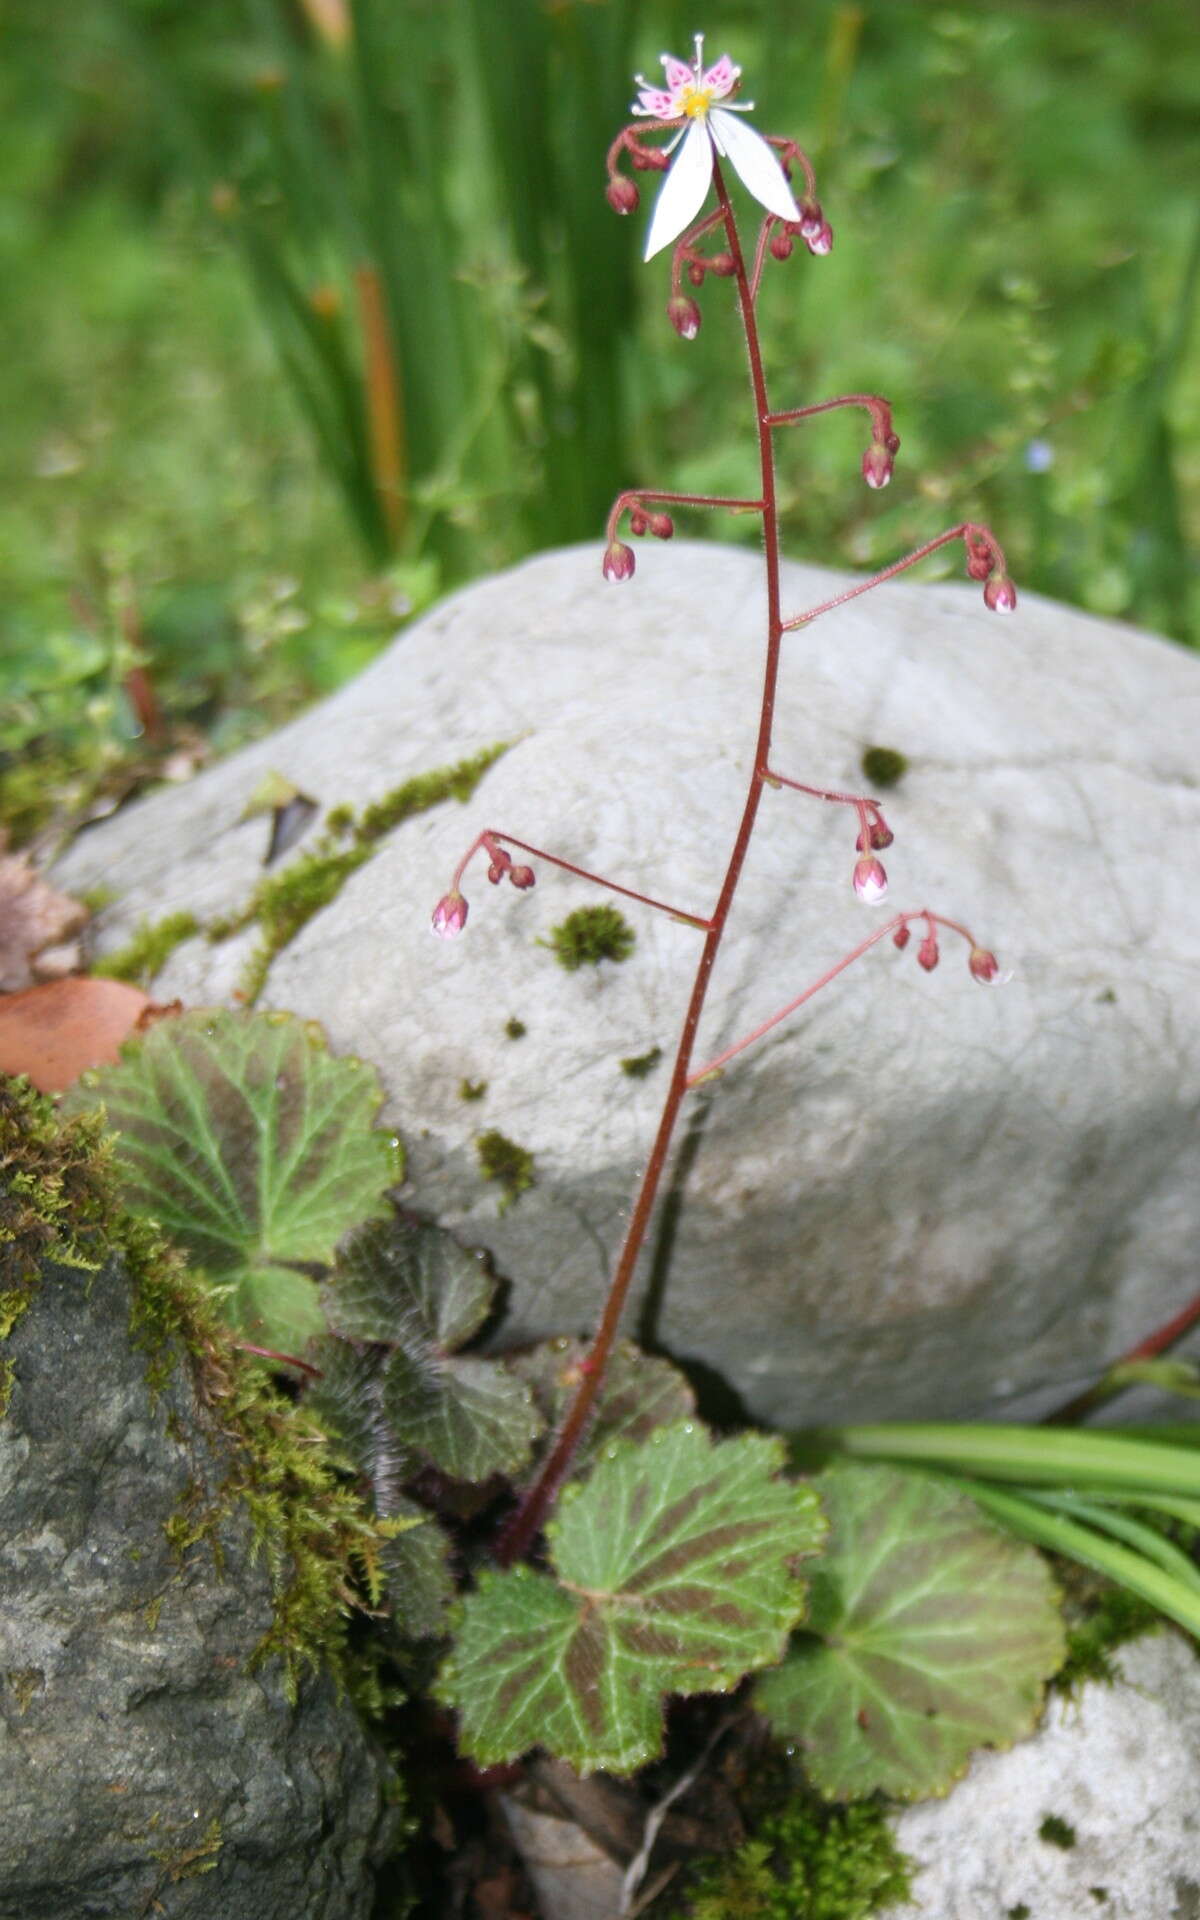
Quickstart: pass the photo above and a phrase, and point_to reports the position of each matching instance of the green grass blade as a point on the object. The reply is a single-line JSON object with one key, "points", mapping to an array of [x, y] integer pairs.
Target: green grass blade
{"points": [[1122, 1526], [1055, 1456]]}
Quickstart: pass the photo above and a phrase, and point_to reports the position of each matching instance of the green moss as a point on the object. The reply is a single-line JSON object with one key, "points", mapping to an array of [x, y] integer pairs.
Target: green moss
{"points": [[1099, 1894], [515, 1029], [60, 1201], [883, 766], [184, 1863], [472, 1089], [590, 935], [510, 1166], [7, 1376], [805, 1862], [283, 903], [640, 1064], [25, 1682], [149, 950], [1100, 1618], [1019, 1912], [1057, 1833]]}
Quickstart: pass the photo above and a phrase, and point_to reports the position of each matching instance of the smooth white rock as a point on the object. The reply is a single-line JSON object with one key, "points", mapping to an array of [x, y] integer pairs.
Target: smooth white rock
{"points": [[1120, 1765], [919, 1196]]}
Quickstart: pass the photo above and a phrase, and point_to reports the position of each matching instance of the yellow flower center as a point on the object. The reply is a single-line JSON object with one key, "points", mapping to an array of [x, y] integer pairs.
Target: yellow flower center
{"points": [[696, 101]]}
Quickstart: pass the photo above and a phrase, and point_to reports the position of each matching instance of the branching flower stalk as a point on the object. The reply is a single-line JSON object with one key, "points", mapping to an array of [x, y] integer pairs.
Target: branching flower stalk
{"points": [[698, 109]]}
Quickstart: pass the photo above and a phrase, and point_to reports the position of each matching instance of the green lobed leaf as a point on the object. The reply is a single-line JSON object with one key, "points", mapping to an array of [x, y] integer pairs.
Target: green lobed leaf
{"points": [[931, 1632], [639, 1392], [416, 1564], [252, 1146], [673, 1573], [408, 1286]]}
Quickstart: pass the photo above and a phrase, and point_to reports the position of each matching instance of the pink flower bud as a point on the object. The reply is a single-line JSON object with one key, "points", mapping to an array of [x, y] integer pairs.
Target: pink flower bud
{"points": [[696, 273], [621, 194], [821, 242], [638, 522], [650, 159], [619, 562], [684, 315], [902, 936], [876, 465], [892, 442], [499, 867], [723, 265], [782, 244], [870, 879], [927, 952], [811, 219], [661, 526], [449, 915], [880, 836], [979, 565], [984, 965], [1000, 594], [522, 877]]}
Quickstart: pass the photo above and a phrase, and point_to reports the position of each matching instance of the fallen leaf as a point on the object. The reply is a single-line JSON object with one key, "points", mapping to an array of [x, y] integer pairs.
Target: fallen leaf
{"points": [[34, 920], [55, 1032]]}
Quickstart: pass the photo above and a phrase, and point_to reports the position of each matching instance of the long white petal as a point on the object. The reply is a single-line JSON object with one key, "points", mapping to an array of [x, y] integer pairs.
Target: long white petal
{"points": [[754, 163], [683, 191]]}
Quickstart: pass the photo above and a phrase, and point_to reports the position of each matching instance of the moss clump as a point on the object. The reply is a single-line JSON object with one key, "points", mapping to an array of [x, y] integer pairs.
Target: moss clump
{"points": [[149, 950], [805, 1862], [883, 766], [472, 1089], [1019, 1912], [60, 1201], [510, 1166], [1057, 1832], [515, 1029], [7, 1375], [590, 935], [640, 1064], [283, 903], [1104, 1619]]}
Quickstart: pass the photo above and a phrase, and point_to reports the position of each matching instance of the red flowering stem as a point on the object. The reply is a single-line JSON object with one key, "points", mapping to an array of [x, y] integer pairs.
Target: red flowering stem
{"points": [[520, 1530], [581, 873], [831, 973], [285, 1359], [788, 151], [685, 248], [774, 779], [638, 496], [973, 536], [879, 409]]}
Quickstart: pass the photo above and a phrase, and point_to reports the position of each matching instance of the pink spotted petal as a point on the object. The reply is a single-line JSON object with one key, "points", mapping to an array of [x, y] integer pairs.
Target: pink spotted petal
{"points": [[678, 72], [660, 106], [723, 77]]}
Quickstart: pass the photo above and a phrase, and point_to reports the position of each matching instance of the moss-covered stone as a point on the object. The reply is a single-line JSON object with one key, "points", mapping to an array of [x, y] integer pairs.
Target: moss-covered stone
{"points": [[804, 1862]]}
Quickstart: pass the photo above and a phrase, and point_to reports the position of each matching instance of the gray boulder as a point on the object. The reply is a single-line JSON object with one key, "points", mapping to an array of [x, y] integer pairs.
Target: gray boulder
{"points": [[143, 1768], [917, 1196], [1096, 1814]]}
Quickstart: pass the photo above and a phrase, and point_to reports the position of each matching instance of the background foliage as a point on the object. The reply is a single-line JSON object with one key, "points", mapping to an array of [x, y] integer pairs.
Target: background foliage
{"points": [[319, 309]]}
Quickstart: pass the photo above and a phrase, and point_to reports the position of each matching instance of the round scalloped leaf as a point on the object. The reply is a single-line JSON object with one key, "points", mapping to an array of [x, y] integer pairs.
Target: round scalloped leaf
{"points": [[470, 1418], [416, 1563], [930, 1632], [639, 1392], [401, 1280], [255, 1148], [674, 1573]]}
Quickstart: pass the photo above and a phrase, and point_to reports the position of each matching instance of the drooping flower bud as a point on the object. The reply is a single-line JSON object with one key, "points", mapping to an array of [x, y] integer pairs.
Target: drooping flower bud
{"points": [[980, 565], [619, 561], [821, 242], [650, 159], [723, 265], [877, 465], [522, 877], [621, 194], [811, 218], [984, 965], [782, 244], [1000, 594], [870, 879], [927, 952], [661, 526], [638, 522], [684, 315], [499, 867], [902, 936], [879, 837], [449, 915]]}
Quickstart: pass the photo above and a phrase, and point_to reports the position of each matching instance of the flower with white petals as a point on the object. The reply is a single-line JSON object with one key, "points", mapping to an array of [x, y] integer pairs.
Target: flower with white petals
{"points": [[692, 94]]}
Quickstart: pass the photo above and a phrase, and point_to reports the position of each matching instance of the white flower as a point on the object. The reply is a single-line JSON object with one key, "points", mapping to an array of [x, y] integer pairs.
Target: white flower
{"points": [[691, 94]]}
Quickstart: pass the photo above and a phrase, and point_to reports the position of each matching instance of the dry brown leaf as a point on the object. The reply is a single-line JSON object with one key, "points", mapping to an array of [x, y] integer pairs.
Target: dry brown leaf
{"points": [[55, 1032], [34, 921]]}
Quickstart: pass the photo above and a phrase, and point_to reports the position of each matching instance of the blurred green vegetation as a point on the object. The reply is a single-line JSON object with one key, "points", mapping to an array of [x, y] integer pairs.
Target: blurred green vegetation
{"points": [[314, 308]]}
